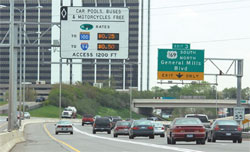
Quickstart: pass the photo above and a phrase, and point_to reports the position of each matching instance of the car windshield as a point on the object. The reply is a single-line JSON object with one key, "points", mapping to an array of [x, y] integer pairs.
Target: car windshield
{"points": [[116, 119], [158, 125], [139, 122], [88, 116], [123, 123], [202, 118], [227, 122], [187, 121], [102, 120]]}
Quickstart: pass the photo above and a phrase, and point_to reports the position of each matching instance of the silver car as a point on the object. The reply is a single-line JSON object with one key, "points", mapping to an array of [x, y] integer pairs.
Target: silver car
{"points": [[121, 128], [64, 127], [159, 129]]}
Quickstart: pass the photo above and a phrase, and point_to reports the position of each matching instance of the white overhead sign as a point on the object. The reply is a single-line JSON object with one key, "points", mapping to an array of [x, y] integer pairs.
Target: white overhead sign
{"points": [[239, 113], [94, 32]]}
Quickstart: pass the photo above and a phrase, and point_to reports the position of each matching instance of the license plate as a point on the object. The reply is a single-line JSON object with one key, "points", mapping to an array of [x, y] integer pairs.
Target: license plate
{"points": [[190, 136], [228, 134], [143, 127], [65, 129]]}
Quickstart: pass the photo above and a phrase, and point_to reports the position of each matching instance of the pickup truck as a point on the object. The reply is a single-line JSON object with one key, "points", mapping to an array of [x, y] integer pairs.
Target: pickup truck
{"points": [[87, 119], [203, 118]]}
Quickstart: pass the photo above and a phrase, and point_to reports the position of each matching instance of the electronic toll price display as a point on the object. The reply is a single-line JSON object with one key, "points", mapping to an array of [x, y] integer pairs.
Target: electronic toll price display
{"points": [[94, 33], [108, 36], [107, 47]]}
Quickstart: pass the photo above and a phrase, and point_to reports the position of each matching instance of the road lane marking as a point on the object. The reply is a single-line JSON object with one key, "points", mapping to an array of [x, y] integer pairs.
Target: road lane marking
{"points": [[59, 141], [138, 143]]}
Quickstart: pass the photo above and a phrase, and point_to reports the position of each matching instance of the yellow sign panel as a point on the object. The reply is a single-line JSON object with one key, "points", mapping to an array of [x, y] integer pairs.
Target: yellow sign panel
{"points": [[245, 121], [169, 75]]}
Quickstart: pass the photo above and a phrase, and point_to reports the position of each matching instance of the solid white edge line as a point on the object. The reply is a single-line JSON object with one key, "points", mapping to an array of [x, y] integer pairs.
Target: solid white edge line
{"points": [[138, 143]]}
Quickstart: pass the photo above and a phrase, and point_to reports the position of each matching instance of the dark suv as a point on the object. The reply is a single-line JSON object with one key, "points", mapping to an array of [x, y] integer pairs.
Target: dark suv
{"points": [[102, 124]]}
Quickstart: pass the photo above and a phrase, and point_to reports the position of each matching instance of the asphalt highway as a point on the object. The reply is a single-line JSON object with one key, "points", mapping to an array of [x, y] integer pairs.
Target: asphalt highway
{"points": [[41, 137]]}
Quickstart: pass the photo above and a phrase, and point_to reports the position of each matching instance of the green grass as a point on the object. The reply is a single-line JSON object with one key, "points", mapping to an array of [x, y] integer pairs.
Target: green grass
{"points": [[50, 111], [3, 103], [45, 111], [104, 111]]}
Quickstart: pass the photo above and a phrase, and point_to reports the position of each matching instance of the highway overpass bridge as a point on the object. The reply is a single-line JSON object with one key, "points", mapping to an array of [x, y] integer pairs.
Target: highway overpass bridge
{"points": [[192, 103]]}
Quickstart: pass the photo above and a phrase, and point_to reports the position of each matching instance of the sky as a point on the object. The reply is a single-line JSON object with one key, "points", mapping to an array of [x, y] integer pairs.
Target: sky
{"points": [[220, 27]]}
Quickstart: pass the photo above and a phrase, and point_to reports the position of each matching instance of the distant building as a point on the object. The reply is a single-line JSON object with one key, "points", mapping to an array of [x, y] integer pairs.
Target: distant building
{"points": [[32, 36]]}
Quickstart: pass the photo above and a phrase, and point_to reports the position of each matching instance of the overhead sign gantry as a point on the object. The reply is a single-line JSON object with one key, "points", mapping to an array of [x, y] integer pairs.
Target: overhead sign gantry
{"points": [[94, 33]]}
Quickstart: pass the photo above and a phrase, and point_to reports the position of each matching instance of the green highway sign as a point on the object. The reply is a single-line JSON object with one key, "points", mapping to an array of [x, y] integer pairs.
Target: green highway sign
{"points": [[181, 63]]}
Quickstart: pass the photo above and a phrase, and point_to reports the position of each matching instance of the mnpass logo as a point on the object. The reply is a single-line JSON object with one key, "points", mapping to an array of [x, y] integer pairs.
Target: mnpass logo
{"points": [[86, 27]]}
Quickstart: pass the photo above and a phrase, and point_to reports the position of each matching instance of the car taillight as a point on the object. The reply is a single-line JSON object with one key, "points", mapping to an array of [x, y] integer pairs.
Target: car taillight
{"points": [[216, 128], [150, 127], [69, 126], [135, 128], [239, 128], [162, 128], [94, 125], [58, 126], [202, 130]]}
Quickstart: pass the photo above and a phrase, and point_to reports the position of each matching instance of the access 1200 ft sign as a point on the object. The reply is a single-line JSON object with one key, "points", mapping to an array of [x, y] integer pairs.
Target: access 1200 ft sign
{"points": [[94, 33]]}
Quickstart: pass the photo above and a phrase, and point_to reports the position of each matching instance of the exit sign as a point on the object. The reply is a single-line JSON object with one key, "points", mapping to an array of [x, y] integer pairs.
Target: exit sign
{"points": [[180, 63]]}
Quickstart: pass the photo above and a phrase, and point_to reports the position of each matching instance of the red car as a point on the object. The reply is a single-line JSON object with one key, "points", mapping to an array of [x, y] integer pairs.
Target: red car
{"points": [[87, 119], [186, 129]]}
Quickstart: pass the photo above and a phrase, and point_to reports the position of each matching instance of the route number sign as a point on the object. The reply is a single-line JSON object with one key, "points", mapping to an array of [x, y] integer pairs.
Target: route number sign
{"points": [[239, 113]]}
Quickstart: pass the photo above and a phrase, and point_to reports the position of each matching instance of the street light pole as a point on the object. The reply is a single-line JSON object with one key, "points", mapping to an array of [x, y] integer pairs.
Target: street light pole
{"points": [[130, 109], [39, 36]]}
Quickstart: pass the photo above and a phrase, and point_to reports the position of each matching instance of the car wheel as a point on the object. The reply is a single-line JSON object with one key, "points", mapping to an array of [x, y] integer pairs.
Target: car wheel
{"points": [[168, 140], [240, 140], [162, 136], [198, 142], [131, 137], [82, 124], [71, 133], [208, 139], [203, 141], [108, 132], [151, 137], [94, 132], [213, 139], [234, 141], [115, 135], [173, 142], [56, 133]]}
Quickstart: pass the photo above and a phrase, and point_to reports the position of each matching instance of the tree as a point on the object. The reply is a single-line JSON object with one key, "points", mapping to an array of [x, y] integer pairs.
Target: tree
{"points": [[245, 93], [230, 93]]}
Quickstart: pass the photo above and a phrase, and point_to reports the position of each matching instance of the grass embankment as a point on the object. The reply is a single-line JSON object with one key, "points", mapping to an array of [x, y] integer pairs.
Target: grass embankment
{"points": [[104, 111], [3, 103], [45, 111], [53, 112]]}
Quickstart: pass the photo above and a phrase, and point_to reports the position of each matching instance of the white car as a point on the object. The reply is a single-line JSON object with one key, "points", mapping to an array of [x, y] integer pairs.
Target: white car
{"points": [[26, 115], [64, 127]]}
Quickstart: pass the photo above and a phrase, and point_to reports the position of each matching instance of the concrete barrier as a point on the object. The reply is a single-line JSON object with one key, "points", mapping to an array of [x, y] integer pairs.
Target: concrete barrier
{"points": [[9, 139]]}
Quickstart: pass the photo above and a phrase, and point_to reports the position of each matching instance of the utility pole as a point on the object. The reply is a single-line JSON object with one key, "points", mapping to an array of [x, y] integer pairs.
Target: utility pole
{"points": [[12, 73], [148, 68]]}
